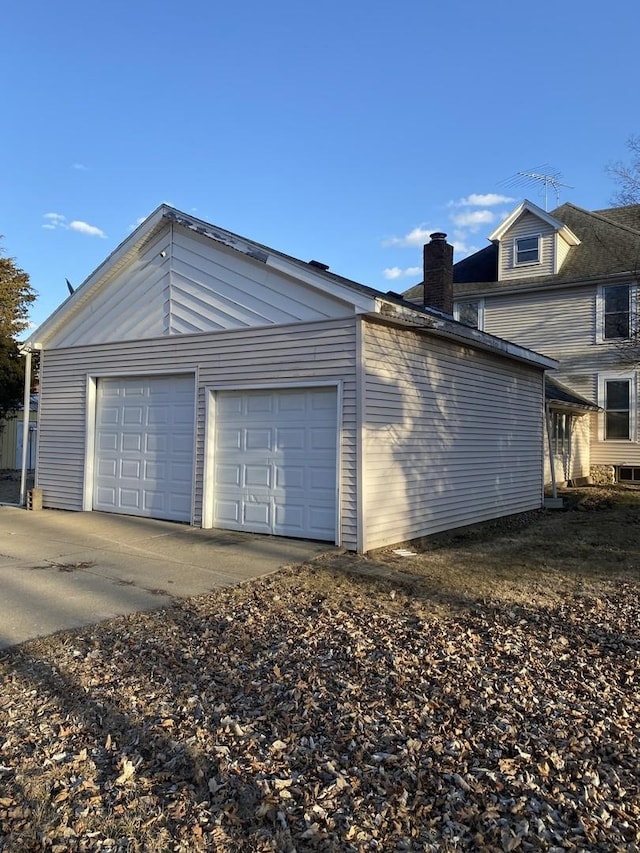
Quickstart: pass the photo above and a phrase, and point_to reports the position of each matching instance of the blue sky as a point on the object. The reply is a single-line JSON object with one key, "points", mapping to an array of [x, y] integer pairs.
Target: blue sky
{"points": [[341, 131]]}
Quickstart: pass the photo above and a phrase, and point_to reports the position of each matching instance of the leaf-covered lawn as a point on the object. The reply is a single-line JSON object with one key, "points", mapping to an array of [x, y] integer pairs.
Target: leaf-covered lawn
{"points": [[336, 707]]}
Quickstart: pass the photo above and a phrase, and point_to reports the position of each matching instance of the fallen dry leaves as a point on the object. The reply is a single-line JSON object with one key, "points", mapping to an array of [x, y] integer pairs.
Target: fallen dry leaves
{"points": [[304, 712]]}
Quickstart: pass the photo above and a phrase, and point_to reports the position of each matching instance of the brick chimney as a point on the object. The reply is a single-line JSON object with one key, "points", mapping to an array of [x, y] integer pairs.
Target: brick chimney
{"points": [[438, 273]]}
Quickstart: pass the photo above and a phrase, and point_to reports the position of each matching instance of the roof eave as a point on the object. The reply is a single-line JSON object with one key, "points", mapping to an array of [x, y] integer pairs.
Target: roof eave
{"points": [[84, 291], [530, 207], [425, 322]]}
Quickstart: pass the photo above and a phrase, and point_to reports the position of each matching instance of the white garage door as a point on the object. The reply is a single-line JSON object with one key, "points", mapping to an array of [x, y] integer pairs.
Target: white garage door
{"points": [[275, 462], [144, 446]]}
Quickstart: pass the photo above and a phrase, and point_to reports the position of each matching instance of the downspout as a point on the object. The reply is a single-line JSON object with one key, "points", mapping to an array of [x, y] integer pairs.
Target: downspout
{"points": [[554, 485], [25, 426]]}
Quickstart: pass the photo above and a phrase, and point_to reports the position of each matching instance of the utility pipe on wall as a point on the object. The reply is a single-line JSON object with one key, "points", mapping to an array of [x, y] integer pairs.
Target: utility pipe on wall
{"points": [[25, 427]]}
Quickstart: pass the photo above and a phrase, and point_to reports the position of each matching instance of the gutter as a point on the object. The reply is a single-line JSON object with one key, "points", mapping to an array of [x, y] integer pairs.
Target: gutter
{"points": [[420, 321]]}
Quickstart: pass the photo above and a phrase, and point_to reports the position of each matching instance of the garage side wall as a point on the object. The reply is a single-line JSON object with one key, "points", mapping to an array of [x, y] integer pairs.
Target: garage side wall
{"points": [[452, 436], [299, 353]]}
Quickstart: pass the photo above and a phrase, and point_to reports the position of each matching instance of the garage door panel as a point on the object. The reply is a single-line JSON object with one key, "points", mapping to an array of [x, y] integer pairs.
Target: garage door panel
{"points": [[259, 404], [129, 498], [275, 462], [130, 469], [322, 439], [228, 475], [291, 438], [258, 515], [321, 519], [292, 402], [289, 477], [228, 512], [229, 439], [144, 449], [108, 441], [258, 439], [257, 476]]}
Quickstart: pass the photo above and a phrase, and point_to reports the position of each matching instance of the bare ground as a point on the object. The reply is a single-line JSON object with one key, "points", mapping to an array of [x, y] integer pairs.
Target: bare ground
{"points": [[480, 695]]}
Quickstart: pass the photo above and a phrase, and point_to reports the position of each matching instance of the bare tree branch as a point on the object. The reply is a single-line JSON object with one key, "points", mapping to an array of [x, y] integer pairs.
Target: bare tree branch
{"points": [[627, 175]]}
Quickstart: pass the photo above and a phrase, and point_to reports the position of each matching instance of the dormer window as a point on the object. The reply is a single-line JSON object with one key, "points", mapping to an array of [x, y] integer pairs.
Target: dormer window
{"points": [[527, 250]]}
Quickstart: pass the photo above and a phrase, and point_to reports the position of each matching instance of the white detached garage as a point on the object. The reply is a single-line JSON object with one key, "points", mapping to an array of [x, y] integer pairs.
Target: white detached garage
{"points": [[201, 377]]}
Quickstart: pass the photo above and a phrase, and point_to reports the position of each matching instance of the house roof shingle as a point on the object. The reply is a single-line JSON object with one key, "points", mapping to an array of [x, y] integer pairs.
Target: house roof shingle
{"points": [[609, 244]]}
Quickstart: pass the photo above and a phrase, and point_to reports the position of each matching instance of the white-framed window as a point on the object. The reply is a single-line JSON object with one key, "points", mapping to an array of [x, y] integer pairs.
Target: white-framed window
{"points": [[617, 396], [526, 250], [470, 312], [615, 312]]}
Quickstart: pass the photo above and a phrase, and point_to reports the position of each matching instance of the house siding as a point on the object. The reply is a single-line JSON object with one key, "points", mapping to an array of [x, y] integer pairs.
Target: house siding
{"points": [[527, 226], [562, 324], [452, 436], [183, 283], [558, 323], [562, 248], [132, 304], [300, 353], [214, 287]]}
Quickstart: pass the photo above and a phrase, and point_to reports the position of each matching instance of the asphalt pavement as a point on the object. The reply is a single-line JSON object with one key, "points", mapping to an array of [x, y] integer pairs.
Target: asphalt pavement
{"points": [[61, 570]]}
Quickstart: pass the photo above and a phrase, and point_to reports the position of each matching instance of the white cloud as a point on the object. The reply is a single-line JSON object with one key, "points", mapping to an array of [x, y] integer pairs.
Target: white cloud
{"points": [[472, 219], [80, 167], [417, 237], [84, 228], [54, 221], [392, 273], [481, 200]]}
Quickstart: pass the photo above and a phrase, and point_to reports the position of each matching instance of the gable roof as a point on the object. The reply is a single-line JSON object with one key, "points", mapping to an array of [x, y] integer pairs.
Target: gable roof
{"points": [[384, 307], [529, 207]]}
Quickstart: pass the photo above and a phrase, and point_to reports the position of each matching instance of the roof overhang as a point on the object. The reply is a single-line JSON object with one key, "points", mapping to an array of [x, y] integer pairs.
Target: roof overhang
{"points": [[424, 322]]}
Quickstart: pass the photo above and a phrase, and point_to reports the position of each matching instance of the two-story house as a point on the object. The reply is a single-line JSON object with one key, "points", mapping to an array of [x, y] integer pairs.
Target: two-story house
{"points": [[565, 284]]}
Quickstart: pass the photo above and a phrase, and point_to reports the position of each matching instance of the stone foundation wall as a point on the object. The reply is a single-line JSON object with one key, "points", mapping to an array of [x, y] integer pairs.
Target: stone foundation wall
{"points": [[602, 475]]}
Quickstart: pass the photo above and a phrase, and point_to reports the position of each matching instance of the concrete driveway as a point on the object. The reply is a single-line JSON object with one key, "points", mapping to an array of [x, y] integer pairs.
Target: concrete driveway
{"points": [[62, 570]]}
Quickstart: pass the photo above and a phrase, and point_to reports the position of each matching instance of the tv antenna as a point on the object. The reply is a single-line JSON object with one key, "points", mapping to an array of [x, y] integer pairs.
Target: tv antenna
{"points": [[543, 176]]}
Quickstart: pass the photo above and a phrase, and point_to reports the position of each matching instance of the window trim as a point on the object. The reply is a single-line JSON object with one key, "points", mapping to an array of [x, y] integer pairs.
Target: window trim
{"points": [[480, 301], [600, 315], [631, 378], [531, 263]]}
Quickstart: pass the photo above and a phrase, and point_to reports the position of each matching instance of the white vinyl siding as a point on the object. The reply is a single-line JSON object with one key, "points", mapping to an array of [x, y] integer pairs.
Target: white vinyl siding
{"points": [[214, 287], [304, 353], [185, 283], [558, 323], [527, 226], [131, 304], [452, 436], [562, 250]]}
